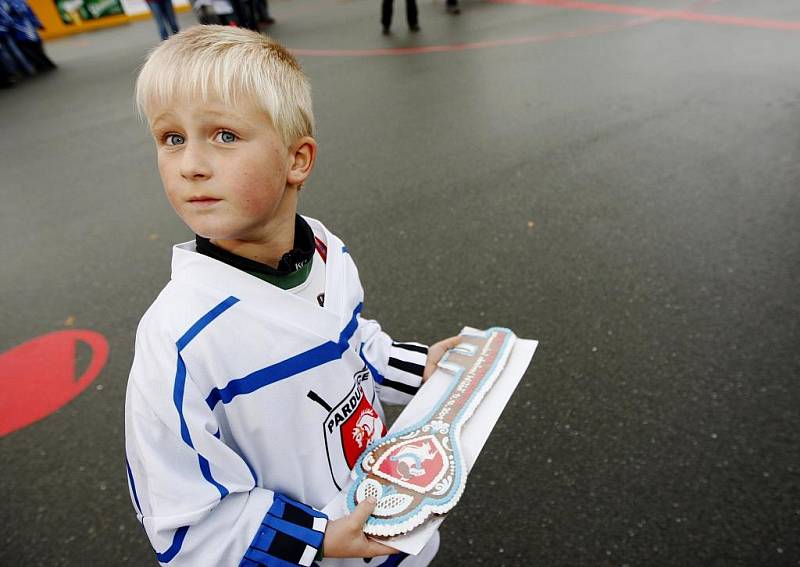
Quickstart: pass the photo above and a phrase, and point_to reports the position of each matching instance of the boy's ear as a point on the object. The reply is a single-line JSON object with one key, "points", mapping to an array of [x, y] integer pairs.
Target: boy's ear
{"points": [[302, 155]]}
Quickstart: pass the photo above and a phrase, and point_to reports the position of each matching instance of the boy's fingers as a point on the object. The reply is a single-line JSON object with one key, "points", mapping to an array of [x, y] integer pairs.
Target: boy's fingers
{"points": [[445, 345], [363, 510]]}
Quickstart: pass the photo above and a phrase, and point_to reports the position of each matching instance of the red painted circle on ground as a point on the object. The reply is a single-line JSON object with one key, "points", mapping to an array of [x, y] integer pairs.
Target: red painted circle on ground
{"points": [[38, 377]]}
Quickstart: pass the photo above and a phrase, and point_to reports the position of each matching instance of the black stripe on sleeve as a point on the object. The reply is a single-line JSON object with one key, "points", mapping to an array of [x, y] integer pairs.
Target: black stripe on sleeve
{"points": [[399, 386], [411, 347], [286, 547], [405, 366], [297, 516]]}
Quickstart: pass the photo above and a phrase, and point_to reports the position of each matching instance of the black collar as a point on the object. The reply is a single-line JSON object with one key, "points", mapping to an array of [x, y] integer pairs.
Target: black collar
{"points": [[293, 260]]}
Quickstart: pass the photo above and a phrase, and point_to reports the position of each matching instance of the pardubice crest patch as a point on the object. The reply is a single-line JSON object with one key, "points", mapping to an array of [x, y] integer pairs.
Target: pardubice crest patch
{"points": [[350, 427], [420, 470]]}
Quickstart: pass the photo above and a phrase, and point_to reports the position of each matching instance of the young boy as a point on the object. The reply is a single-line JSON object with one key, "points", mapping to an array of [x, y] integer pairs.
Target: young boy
{"points": [[256, 383]]}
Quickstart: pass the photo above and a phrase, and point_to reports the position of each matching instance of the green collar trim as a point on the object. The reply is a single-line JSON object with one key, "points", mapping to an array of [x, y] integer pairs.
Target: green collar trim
{"points": [[288, 281]]}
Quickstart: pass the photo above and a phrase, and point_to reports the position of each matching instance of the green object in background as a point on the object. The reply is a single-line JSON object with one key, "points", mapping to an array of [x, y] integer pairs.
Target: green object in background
{"points": [[75, 11]]}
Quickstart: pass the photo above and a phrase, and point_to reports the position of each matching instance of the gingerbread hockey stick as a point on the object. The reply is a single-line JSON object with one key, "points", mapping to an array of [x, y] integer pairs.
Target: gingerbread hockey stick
{"points": [[420, 470]]}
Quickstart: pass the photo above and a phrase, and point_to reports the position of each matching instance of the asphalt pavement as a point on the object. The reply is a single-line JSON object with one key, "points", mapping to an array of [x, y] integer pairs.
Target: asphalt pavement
{"points": [[616, 180]]}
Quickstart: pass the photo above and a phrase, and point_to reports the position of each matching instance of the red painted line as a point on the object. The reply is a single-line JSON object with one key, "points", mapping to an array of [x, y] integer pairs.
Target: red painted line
{"points": [[661, 14], [644, 16], [377, 52]]}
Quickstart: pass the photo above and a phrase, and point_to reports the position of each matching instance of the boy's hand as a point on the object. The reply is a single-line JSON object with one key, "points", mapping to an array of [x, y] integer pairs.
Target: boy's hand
{"points": [[435, 354], [345, 537]]}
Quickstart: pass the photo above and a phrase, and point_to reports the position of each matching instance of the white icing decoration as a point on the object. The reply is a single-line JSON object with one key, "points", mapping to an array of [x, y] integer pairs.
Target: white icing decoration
{"points": [[443, 486], [392, 504], [368, 461], [446, 444], [370, 487]]}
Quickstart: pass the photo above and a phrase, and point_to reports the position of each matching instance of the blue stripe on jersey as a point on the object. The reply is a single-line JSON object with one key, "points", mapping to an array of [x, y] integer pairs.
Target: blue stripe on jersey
{"points": [[273, 523], [262, 541], [345, 250], [377, 376], [177, 398], [306, 535], [257, 557], [203, 322], [205, 467], [177, 542], [264, 559], [317, 356], [133, 486]]}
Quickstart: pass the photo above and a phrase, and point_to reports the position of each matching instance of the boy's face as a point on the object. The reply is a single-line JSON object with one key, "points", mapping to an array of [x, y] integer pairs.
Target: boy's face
{"points": [[224, 169]]}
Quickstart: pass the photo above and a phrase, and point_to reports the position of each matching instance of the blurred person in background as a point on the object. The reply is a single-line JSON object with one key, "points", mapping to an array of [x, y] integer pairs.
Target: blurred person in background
{"points": [[164, 15], [249, 14], [213, 12], [262, 12], [412, 15], [21, 48], [452, 7], [244, 14], [13, 64], [9, 71]]}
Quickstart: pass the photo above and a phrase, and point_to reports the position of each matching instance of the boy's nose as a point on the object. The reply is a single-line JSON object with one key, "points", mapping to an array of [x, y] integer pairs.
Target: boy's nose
{"points": [[194, 163]]}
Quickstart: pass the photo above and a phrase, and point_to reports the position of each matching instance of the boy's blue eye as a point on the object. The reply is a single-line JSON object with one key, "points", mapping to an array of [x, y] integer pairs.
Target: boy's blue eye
{"points": [[227, 137], [173, 139]]}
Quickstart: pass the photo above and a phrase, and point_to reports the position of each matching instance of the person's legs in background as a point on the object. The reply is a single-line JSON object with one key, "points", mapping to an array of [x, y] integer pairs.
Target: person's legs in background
{"points": [[412, 15], [244, 14], [9, 73], [160, 17], [169, 11], [386, 15], [16, 57], [262, 12], [34, 52]]}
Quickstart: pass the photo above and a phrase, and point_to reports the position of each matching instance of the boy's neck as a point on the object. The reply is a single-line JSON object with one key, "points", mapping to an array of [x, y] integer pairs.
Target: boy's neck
{"points": [[293, 268], [269, 248]]}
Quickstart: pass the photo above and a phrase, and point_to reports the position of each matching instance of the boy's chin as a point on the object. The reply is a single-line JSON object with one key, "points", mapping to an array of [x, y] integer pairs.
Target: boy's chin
{"points": [[213, 232]]}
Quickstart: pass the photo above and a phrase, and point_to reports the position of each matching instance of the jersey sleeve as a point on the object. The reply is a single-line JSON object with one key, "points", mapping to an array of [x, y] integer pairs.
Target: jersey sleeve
{"points": [[396, 367], [196, 497]]}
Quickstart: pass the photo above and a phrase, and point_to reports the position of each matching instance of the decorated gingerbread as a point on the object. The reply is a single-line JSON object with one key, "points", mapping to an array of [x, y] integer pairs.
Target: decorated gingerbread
{"points": [[420, 470]]}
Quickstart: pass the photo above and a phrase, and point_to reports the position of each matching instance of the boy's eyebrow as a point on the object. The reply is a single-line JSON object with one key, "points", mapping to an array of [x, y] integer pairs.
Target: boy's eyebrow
{"points": [[225, 114], [159, 117], [206, 112]]}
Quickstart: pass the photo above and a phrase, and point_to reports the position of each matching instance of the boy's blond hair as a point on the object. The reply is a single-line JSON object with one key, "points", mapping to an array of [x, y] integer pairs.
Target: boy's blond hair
{"points": [[232, 65]]}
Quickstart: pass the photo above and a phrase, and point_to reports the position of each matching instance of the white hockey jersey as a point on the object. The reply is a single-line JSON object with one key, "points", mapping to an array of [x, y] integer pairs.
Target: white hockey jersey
{"points": [[247, 406]]}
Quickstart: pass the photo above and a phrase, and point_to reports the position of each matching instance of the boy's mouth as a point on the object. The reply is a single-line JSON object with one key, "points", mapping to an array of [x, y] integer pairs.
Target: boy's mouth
{"points": [[203, 200]]}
